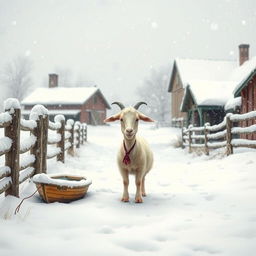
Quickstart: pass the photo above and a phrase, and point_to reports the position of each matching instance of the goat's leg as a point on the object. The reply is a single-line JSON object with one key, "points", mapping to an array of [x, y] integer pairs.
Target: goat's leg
{"points": [[125, 176], [143, 192], [138, 181]]}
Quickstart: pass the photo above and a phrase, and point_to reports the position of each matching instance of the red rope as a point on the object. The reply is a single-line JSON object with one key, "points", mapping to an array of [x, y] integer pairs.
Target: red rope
{"points": [[127, 159]]}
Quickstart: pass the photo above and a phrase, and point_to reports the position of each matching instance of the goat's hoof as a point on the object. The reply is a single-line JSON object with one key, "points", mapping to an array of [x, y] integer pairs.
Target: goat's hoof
{"points": [[125, 199], [138, 200], [144, 194]]}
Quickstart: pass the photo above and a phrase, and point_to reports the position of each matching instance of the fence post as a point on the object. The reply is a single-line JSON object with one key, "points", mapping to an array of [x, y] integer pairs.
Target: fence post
{"points": [[182, 136], [71, 139], [229, 126], [85, 132], [190, 139], [78, 135], [61, 143], [44, 144], [37, 149], [40, 114], [82, 134], [12, 158], [206, 139]]}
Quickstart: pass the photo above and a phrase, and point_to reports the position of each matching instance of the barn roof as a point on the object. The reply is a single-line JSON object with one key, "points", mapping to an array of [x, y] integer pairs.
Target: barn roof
{"points": [[54, 112], [62, 96], [243, 74], [207, 93], [198, 69]]}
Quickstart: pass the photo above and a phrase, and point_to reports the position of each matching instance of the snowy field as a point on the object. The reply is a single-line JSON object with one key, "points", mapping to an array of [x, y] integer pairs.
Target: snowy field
{"points": [[196, 205]]}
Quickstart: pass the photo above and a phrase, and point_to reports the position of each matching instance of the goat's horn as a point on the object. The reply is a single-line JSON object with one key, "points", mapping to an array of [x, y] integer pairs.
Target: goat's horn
{"points": [[121, 105], [136, 106]]}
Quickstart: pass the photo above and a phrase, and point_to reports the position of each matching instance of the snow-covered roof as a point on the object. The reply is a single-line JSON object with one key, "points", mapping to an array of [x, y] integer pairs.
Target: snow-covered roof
{"points": [[206, 70], [207, 93], [60, 95], [213, 82], [72, 112], [233, 103]]}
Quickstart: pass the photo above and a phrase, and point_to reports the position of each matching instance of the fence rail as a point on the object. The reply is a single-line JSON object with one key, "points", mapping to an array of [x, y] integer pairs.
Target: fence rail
{"points": [[227, 134], [24, 158]]}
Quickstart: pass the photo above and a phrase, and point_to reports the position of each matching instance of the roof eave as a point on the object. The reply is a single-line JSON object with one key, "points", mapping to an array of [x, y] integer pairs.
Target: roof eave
{"points": [[237, 92], [174, 70], [211, 106], [52, 104], [183, 103], [106, 102], [104, 99]]}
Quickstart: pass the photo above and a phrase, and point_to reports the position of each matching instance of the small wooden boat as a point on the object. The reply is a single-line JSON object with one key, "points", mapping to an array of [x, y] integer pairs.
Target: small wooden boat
{"points": [[61, 187]]}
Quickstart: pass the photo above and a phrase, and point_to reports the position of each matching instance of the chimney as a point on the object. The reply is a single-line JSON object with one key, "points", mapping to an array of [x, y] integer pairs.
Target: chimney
{"points": [[53, 80], [243, 53]]}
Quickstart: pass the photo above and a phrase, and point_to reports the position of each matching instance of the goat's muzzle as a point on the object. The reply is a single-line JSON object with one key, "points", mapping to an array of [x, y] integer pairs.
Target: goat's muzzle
{"points": [[129, 133]]}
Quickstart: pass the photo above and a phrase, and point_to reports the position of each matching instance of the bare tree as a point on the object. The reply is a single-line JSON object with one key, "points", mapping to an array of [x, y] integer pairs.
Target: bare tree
{"points": [[154, 92], [16, 76]]}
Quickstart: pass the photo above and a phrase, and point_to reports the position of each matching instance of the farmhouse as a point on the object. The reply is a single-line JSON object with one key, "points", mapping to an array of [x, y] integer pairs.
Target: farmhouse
{"points": [[84, 104], [194, 86], [202, 90]]}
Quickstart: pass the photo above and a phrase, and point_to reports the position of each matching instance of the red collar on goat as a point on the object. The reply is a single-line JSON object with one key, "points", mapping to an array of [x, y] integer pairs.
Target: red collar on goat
{"points": [[127, 159]]}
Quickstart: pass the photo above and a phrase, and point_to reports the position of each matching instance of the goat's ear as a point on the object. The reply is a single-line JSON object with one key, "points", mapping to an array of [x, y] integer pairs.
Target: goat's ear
{"points": [[112, 118], [145, 118]]}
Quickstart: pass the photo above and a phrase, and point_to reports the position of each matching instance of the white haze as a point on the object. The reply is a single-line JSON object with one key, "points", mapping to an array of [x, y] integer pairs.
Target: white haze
{"points": [[116, 43]]}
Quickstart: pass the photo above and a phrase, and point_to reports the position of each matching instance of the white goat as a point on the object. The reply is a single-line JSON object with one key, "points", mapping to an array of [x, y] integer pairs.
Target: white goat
{"points": [[134, 156]]}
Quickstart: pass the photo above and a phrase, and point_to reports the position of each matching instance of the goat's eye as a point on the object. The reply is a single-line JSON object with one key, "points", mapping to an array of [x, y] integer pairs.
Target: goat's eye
{"points": [[137, 120], [121, 120]]}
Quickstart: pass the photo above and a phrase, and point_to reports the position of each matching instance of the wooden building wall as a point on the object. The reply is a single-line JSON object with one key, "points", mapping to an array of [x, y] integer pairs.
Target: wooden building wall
{"points": [[248, 95], [176, 98], [94, 106]]}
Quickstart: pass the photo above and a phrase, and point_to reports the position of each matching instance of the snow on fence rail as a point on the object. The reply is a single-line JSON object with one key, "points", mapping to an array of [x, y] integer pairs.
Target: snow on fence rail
{"points": [[24, 158], [226, 134]]}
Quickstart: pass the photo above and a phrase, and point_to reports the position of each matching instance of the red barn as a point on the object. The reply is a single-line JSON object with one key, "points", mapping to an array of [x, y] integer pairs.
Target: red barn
{"points": [[84, 104], [246, 89]]}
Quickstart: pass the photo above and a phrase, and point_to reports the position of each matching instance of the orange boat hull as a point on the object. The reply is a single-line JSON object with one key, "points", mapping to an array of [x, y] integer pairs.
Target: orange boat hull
{"points": [[55, 193]]}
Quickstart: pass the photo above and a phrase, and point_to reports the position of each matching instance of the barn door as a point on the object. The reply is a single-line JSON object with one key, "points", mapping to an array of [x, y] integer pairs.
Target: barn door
{"points": [[94, 117]]}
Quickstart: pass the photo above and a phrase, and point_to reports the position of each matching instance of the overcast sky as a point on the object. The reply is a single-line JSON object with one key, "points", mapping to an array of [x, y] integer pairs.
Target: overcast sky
{"points": [[116, 43]]}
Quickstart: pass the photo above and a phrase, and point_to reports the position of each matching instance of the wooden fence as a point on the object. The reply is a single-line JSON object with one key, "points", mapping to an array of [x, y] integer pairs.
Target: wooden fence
{"points": [[227, 134], [178, 122], [46, 140]]}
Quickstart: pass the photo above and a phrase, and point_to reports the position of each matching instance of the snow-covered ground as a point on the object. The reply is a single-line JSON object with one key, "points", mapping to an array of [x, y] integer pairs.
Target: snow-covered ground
{"points": [[196, 205]]}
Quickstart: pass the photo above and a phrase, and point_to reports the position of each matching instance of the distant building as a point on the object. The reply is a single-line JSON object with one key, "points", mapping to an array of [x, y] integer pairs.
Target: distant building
{"points": [[199, 90], [84, 104], [202, 90]]}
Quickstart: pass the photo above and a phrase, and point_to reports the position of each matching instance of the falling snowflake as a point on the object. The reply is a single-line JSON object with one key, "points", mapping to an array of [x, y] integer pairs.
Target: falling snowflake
{"points": [[231, 53], [214, 26], [243, 22], [14, 22], [154, 25], [27, 53]]}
